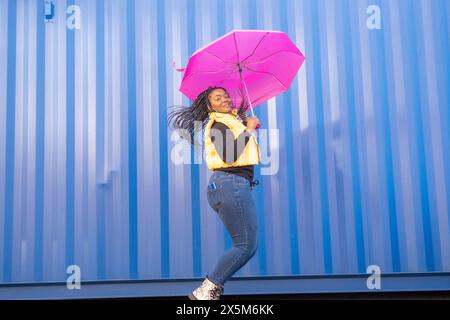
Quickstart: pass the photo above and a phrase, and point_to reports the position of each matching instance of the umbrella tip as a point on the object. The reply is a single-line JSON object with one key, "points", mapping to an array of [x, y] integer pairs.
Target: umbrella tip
{"points": [[177, 69]]}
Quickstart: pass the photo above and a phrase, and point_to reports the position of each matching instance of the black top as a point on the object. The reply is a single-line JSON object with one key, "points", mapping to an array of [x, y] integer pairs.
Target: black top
{"points": [[224, 140]]}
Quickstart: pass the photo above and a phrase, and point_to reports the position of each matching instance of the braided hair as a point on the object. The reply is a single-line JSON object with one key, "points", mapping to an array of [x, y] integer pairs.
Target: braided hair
{"points": [[189, 120]]}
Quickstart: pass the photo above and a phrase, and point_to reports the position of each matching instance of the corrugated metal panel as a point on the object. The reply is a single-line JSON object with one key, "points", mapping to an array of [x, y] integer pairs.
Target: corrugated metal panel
{"points": [[86, 177]]}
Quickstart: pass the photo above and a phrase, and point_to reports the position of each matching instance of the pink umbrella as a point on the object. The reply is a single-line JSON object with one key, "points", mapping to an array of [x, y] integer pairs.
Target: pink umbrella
{"points": [[261, 64]]}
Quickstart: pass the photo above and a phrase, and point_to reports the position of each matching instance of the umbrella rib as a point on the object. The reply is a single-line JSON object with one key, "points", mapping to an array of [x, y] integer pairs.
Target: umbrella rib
{"points": [[200, 72], [217, 57], [257, 99], [265, 58], [236, 47], [260, 41], [223, 80], [195, 73], [269, 73]]}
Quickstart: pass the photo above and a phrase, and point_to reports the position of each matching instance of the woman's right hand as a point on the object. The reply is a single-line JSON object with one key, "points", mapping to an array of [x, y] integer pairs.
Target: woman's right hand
{"points": [[252, 123]]}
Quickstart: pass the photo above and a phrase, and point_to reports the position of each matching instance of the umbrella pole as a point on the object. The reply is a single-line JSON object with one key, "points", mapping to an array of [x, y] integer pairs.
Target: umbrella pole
{"points": [[248, 97]]}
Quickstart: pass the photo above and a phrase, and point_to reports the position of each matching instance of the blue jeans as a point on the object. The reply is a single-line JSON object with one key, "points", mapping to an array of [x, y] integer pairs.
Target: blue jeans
{"points": [[230, 196]]}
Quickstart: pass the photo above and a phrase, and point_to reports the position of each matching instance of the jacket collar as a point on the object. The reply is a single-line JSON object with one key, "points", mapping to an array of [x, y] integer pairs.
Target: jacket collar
{"points": [[220, 115]]}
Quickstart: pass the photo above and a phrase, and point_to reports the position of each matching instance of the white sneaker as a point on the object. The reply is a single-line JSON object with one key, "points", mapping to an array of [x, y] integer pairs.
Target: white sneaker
{"points": [[207, 291]]}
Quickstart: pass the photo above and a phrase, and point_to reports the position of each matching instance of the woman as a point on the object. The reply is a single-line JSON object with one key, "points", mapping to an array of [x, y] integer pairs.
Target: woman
{"points": [[232, 152]]}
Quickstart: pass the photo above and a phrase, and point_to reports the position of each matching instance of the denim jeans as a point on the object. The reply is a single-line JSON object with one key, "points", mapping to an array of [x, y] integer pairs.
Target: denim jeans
{"points": [[230, 196]]}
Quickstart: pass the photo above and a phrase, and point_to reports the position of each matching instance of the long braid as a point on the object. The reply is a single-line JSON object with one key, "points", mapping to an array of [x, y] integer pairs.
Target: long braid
{"points": [[184, 119]]}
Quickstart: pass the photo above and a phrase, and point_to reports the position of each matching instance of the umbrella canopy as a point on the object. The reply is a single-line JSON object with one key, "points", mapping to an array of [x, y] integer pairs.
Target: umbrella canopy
{"points": [[252, 64]]}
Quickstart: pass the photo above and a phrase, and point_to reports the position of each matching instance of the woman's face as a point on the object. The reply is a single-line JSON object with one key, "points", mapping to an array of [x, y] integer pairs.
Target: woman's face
{"points": [[220, 101]]}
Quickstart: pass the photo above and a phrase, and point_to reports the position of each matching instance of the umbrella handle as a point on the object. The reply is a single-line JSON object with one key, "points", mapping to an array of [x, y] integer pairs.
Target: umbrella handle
{"points": [[249, 101], [248, 97]]}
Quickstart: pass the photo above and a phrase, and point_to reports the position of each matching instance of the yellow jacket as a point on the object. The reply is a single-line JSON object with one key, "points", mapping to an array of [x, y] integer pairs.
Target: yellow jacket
{"points": [[249, 156]]}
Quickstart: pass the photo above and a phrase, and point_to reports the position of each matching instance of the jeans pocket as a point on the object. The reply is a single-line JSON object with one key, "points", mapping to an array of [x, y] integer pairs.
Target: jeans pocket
{"points": [[242, 182], [215, 198]]}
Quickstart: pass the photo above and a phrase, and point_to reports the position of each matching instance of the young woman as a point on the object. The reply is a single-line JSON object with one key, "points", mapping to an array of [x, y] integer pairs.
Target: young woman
{"points": [[232, 152]]}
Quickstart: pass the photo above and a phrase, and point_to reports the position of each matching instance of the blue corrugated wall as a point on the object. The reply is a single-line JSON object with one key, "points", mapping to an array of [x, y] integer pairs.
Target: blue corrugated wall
{"points": [[86, 176]]}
